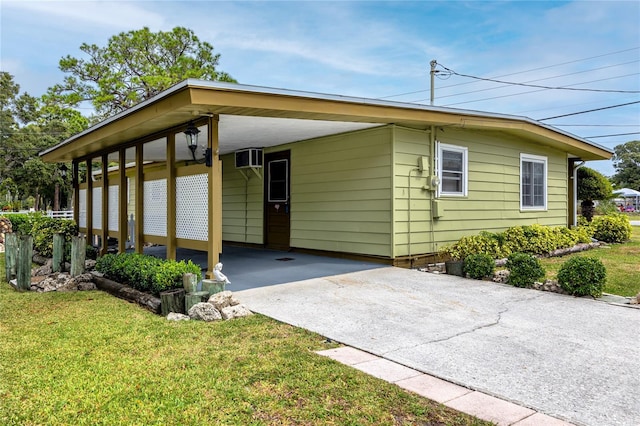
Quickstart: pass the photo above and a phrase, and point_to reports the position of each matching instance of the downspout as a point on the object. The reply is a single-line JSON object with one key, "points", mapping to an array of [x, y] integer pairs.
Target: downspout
{"points": [[575, 191]]}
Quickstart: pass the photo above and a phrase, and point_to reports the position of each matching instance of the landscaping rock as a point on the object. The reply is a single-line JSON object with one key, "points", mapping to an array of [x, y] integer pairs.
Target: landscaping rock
{"points": [[177, 317], [549, 285], [223, 299], [62, 282], [45, 269], [501, 276], [205, 312], [635, 300], [236, 311]]}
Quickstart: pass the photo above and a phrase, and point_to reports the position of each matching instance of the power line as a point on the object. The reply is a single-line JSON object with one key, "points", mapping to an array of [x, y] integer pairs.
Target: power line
{"points": [[608, 136], [597, 125], [540, 86], [591, 110], [530, 91], [520, 72], [538, 79]]}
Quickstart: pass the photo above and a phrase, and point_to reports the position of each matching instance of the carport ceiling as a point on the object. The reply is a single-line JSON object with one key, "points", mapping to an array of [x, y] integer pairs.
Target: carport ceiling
{"points": [[237, 132]]}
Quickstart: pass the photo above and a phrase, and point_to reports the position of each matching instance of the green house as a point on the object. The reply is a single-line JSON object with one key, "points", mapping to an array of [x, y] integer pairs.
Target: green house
{"points": [[321, 173]]}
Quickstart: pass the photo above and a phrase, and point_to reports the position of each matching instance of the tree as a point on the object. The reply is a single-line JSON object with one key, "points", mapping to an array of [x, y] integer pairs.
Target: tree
{"points": [[28, 127], [592, 185], [135, 66], [626, 160]]}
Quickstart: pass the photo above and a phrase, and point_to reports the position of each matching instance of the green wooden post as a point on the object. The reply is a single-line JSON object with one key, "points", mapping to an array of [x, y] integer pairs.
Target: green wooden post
{"points": [[58, 252], [23, 262], [78, 254], [191, 299], [10, 251]]}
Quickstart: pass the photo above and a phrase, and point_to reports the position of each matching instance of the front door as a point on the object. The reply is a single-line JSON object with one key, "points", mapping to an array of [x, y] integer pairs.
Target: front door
{"points": [[277, 222]]}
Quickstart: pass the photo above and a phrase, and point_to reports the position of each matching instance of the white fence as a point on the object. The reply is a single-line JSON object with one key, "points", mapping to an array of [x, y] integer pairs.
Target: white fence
{"points": [[60, 214]]}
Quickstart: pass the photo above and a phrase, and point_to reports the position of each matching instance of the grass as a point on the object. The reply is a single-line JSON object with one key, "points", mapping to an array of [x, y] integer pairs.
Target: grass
{"points": [[88, 358], [621, 261]]}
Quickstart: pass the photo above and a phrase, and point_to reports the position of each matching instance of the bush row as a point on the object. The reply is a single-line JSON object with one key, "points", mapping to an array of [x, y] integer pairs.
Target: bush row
{"points": [[579, 276], [539, 239], [146, 273], [42, 228], [612, 228]]}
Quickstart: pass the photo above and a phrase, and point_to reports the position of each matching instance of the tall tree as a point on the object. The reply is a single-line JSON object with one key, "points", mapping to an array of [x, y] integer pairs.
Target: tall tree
{"points": [[29, 126], [592, 185], [626, 160], [135, 66]]}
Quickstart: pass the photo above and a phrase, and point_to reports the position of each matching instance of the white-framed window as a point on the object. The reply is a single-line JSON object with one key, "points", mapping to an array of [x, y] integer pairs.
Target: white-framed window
{"points": [[452, 170], [533, 182]]}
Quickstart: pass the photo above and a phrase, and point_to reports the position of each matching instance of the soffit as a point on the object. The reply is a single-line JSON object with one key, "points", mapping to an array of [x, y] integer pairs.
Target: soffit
{"points": [[261, 118]]}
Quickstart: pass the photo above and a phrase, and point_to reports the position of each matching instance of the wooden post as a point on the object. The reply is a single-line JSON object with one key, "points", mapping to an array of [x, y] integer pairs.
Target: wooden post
{"points": [[172, 301], [78, 254], [214, 243], [195, 297], [10, 251], [58, 253], [23, 263], [213, 286]]}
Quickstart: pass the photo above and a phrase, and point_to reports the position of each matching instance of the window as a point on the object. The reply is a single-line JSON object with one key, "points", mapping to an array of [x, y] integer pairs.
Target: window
{"points": [[278, 181], [533, 182], [452, 170]]}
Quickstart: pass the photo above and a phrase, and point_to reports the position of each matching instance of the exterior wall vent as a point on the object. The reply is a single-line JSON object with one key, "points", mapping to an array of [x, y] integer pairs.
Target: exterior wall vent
{"points": [[249, 158]]}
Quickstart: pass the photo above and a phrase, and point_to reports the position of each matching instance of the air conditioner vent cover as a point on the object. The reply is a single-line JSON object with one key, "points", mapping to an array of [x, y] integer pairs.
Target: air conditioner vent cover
{"points": [[250, 157]]}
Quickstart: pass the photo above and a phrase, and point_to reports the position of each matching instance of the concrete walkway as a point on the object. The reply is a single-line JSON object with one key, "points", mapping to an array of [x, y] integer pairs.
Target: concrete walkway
{"points": [[570, 358]]}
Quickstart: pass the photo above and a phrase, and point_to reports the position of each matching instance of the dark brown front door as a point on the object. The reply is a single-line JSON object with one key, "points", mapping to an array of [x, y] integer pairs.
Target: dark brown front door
{"points": [[276, 191]]}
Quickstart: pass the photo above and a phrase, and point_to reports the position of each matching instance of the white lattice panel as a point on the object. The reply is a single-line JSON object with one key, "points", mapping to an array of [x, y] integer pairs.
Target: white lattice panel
{"points": [[192, 207], [97, 208], [155, 207], [82, 214], [113, 207]]}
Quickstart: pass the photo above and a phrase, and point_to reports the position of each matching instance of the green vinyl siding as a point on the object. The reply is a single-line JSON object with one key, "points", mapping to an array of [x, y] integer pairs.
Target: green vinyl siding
{"points": [[493, 201], [409, 146], [340, 192], [242, 204]]}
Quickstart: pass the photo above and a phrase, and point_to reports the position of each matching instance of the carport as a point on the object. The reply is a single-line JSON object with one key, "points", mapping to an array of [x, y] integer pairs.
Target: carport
{"points": [[249, 268]]}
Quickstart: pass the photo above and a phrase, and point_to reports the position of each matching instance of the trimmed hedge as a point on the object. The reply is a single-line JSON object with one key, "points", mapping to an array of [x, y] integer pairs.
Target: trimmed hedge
{"points": [[146, 273], [614, 228], [524, 269], [42, 228], [479, 266], [583, 276], [534, 239]]}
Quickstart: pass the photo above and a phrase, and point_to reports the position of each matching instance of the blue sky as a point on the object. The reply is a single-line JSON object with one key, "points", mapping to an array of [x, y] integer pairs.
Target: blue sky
{"points": [[376, 50]]}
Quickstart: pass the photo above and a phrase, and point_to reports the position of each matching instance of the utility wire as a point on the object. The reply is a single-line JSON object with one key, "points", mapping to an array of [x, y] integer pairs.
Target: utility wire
{"points": [[530, 91], [591, 110], [538, 86], [535, 80], [519, 72], [608, 136]]}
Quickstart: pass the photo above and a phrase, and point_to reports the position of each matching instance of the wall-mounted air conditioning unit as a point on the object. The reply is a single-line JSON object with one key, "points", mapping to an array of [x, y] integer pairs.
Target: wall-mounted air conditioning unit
{"points": [[251, 157]]}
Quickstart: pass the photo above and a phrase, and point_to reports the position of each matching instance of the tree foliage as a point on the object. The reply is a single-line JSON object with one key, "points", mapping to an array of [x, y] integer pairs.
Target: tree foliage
{"points": [[592, 185], [28, 127], [626, 160], [135, 66]]}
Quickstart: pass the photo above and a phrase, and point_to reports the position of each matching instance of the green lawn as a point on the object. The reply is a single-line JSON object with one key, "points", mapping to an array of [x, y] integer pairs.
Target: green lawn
{"points": [[622, 262], [87, 358]]}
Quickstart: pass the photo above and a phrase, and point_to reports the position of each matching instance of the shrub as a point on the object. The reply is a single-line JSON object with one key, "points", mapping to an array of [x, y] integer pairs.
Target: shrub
{"points": [[485, 242], [524, 269], [613, 228], [583, 276], [42, 228], [145, 273], [478, 266]]}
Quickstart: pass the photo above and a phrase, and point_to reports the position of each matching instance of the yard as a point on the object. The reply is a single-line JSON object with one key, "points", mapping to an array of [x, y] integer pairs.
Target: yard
{"points": [[89, 358], [622, 262]]}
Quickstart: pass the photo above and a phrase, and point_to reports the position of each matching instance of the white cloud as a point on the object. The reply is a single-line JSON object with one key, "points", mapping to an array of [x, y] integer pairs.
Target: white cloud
{"points": [[80, 15]]}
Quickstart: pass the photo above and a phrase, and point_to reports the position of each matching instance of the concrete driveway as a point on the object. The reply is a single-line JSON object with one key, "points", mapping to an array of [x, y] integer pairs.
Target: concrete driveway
{"points": [[572, 358]]}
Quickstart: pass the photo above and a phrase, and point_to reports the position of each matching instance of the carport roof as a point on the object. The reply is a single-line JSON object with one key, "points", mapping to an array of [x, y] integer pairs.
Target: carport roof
{"points": [[252, 116]]}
